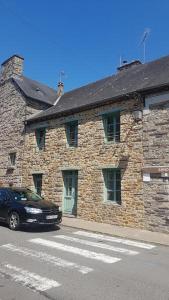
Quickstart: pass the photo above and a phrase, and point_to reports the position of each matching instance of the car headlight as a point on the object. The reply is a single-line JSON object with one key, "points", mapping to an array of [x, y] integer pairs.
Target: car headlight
{"points": [[32, 210]]}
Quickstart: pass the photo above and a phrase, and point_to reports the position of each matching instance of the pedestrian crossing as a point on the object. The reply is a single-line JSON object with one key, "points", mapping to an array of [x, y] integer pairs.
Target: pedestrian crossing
{"points": [[90, 246], [97, 245], [47, 258], [114, 239], [75, 250], [28, 279]]}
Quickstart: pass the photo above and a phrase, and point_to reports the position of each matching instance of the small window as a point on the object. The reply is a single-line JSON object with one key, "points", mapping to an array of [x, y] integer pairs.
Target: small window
{"points": [[72, 133], [111, 123], [40, 138], [112, 181], [37, 178], [12, 158]]}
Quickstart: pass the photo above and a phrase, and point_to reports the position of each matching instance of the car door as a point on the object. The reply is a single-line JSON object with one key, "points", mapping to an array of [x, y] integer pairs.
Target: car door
{"points": [[3, 204]]}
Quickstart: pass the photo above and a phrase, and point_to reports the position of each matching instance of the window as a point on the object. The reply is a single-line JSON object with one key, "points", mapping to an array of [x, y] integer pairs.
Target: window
{"points": [[112, 181], [23, 195], [12, 158], [111, 123], [72, 133], [37, 178], [40, 138]]}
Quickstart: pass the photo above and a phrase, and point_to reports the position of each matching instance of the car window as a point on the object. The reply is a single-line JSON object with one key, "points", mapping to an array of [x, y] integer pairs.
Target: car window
{"points": [[3, 195], [25, 195]]}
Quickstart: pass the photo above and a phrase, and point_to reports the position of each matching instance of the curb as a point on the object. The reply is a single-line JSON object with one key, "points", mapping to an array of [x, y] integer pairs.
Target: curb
{"points": [[135, 234]]}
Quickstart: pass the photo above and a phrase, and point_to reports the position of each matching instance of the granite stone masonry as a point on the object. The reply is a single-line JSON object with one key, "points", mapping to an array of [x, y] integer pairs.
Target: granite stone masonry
{"points": [[15, 108], [156, 154], [89, 159]]}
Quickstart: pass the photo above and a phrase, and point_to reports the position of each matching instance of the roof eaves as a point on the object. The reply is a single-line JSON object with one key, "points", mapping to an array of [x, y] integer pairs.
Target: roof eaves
{"points": [[99, 103], [78, 109]]}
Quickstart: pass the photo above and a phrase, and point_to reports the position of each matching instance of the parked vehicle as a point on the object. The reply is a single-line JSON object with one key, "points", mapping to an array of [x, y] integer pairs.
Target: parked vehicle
{"points": [[22, 206]]}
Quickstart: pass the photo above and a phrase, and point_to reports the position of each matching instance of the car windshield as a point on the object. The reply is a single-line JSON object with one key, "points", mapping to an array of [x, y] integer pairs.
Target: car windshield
{"points": [[26, 195]]}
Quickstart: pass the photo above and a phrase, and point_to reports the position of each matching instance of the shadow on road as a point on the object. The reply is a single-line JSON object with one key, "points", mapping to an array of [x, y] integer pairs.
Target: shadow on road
{"points": [[38, 229], [34, 229]]}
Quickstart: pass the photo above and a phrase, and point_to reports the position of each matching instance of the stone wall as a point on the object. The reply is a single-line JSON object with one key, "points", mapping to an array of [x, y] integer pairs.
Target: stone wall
{"points": [[14, 110], [12, 114], [156, 153], [89, 158]]}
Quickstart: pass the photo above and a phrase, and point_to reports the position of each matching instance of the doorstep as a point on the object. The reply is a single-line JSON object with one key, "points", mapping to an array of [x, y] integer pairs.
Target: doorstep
{"points": [[124, 232]]}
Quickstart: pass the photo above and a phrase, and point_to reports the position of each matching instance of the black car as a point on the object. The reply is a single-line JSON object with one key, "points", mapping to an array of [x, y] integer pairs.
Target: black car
{"points": [[22, 206]]}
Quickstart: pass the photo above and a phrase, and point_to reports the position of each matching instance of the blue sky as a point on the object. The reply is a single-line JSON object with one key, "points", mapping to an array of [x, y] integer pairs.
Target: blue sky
{"points": [[83, 38]]}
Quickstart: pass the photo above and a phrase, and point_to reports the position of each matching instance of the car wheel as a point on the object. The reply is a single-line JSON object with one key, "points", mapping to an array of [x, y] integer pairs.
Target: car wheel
{"points": [[14, 221]]}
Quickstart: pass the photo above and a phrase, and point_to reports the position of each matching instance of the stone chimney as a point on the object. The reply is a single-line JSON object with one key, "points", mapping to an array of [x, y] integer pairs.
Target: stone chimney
{"points": [[127, 65], [60, 90], [12, 67]]}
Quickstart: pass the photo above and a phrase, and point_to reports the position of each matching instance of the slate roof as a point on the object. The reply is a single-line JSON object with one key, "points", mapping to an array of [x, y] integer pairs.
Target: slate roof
{"points": [[35, 90], [138, 78]]}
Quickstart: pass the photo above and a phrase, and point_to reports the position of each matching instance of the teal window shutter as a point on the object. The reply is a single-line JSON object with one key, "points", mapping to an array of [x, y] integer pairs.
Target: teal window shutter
{"points": [[112, 180]]}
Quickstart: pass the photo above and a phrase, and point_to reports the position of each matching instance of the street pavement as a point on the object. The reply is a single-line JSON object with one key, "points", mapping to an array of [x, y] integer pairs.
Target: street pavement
{"points": [[73, 264]]}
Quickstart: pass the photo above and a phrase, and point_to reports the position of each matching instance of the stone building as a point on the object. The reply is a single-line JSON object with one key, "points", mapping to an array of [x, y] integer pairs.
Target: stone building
{"points": [[101, 151], [19, 98]]}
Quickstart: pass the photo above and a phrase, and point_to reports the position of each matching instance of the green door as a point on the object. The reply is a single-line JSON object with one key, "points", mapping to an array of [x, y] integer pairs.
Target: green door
{"points": [[70, 192]]}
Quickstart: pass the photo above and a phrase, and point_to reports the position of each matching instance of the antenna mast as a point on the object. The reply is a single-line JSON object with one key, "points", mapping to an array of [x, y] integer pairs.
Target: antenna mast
{"points": [[143, 42], [61, 75]]}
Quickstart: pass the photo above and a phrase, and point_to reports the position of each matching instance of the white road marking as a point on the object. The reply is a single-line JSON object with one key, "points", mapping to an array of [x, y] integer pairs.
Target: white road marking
{"points": [[42, 256], [114, 239], [88, 254], [28, 279], [97, 245]]}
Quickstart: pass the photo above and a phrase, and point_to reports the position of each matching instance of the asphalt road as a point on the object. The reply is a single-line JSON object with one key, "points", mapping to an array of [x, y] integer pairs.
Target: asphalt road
{"points": [[75, 265]]}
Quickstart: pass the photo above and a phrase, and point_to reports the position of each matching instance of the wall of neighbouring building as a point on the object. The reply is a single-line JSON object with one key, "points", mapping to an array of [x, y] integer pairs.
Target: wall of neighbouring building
{"points": [[91, 155], [14, 109], [156, 160], [12, 112]]}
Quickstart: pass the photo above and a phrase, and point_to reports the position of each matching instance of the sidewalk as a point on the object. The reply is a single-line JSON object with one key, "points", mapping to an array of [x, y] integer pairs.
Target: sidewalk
{"points": [[124, 232]]}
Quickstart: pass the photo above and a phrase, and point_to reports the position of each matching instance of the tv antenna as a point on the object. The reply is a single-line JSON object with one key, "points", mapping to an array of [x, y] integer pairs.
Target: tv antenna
{"points": [[143, 42], [61, 75]]}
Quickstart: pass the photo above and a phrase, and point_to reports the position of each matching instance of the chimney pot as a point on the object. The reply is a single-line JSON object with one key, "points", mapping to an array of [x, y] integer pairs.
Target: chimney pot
{"points": [[129, 65], [60, 89]]}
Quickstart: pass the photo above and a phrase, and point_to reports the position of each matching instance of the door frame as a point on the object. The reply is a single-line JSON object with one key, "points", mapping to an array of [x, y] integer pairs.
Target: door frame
{"points": [[75, 181]]}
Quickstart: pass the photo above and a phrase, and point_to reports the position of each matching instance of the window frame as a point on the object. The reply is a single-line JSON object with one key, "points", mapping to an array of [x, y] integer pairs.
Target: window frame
{"points": [[36, 179], [12, 159], [115, 135], [40, 145], [68, 125], [116, 191]]}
